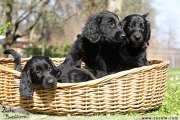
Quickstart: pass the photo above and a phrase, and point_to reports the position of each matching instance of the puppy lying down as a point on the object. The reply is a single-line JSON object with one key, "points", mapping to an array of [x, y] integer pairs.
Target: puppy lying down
{"points": [[40, 70]]}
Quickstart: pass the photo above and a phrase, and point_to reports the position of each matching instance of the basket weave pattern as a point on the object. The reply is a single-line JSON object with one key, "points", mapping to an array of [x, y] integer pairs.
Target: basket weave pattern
{"points": [[138, 89]]}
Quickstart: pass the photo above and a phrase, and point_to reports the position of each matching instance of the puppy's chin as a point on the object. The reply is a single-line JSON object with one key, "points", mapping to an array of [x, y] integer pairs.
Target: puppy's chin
{"points": [[136, 44], [114, 40], [117, 41], [47, 86]]}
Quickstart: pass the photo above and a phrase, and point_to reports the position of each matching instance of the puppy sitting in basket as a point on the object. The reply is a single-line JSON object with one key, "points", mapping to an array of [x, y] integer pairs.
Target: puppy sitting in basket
{"points": [[96, 46], [137, 30]]}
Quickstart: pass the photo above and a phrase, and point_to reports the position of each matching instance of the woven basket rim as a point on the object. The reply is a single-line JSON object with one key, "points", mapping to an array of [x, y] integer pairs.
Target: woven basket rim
{"points": [[91, 82]]}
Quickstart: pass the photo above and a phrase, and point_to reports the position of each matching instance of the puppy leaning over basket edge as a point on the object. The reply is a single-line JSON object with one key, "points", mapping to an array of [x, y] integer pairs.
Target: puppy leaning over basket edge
{"points": [[42, 71], [38, 70]]}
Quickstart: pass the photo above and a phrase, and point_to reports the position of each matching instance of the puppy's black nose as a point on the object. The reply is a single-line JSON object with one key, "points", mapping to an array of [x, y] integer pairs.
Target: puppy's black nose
{"points": [[51, 81], [137, 37], [122, 35]]}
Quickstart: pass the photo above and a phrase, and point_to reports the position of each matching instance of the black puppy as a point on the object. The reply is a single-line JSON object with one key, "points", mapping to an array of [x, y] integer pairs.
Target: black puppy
{"points": [[42, 71], [137, 30], [38, 70], [73, 74], [95, 45]]}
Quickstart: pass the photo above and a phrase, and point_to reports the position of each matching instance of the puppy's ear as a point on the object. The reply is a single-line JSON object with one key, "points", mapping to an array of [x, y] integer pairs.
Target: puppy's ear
{"points": [[145, 15], [123, 23], [51, 63], [91, 29], [26, 89], [148, 34], [54, 69]]}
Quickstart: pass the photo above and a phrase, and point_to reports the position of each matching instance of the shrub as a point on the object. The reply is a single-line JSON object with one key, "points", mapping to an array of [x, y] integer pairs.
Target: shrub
{"points": [[4, 29], [47, 50]]}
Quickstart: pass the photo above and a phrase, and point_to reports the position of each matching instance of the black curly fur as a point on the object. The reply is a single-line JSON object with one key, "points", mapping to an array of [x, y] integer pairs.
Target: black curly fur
{"points": [[96, 45], [137, 30], [38, 70]]}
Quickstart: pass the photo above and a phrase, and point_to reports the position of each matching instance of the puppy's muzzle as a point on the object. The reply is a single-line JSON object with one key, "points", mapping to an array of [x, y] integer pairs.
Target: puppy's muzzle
{"points": [[49, 82], [120, 37], [137, 37]]}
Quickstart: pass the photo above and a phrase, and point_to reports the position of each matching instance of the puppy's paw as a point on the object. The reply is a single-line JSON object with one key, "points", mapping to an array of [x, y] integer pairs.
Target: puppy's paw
{"points": [[27, 96]]}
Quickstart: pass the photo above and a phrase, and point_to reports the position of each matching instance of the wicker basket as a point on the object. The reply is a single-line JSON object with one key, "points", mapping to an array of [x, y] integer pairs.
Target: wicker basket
{"points": [[138, 89]]}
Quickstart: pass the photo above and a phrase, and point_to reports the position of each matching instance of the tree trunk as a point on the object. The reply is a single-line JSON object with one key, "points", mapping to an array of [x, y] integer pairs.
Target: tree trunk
{"points": [[9, 10], [115, 6]]}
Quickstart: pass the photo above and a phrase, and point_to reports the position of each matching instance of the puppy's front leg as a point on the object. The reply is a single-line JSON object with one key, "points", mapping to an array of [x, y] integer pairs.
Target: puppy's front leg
{"points": [[101, 69]]}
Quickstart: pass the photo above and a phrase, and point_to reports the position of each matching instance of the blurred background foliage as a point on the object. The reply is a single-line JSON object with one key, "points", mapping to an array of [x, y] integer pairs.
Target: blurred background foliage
{"points": [[4, 28], [54, 21], [49, 27], [47, 50]]}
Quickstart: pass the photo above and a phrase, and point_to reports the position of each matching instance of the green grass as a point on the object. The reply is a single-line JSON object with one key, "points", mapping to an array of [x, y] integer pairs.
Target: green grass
{"points": [[170, 106], [171, 103]]}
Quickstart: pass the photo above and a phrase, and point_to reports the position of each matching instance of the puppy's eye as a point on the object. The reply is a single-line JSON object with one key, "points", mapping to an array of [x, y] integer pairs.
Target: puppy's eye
{"points": [[58, 74], [130, 26], [38, 72], [142, 28], [49, 68], [111, 24]]}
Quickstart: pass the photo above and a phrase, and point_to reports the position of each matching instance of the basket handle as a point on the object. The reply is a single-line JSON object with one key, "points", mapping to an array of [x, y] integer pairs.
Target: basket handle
{"points": [[6, 69]]}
